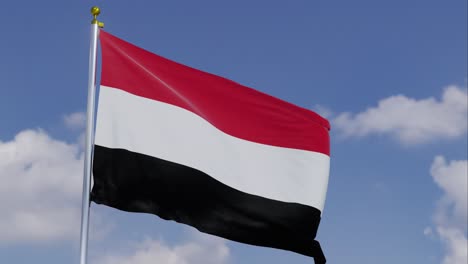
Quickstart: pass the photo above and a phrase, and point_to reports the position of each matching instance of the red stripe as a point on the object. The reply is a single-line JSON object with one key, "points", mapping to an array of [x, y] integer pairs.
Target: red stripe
{"points": [[234, 109]]}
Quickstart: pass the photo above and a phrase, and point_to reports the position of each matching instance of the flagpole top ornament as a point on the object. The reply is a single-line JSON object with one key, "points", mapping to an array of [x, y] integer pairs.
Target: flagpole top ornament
{"points": [[95, 11]]}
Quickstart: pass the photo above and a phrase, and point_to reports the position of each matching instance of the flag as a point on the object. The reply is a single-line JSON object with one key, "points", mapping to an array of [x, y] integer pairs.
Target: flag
{"points": [[205, 151]]}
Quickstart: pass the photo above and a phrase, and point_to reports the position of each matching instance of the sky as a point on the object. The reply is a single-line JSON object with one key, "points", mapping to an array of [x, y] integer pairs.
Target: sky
{"points": [[391, 76]]}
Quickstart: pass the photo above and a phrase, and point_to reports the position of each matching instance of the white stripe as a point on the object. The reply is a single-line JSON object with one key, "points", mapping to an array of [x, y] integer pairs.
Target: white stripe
{"points": [[172, 133]]}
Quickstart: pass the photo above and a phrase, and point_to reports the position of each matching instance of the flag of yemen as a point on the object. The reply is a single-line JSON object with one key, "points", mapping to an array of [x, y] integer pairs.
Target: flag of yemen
{"points": [[202, 150]]}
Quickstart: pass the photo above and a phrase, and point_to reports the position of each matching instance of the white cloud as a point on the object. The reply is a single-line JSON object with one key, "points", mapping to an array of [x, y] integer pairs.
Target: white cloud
{"points": [[410, 120], [428, 232], [450, 216], [41, 187], [75, 120], [453, 179], [456, 245], [201, 250], [323, 111]]}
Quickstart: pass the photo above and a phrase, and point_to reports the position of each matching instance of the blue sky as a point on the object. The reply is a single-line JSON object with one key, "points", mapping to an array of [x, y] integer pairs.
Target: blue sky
{"points": [[391, 76]]}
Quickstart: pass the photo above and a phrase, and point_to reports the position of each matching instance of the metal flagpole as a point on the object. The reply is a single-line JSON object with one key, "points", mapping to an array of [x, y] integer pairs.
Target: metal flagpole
{"points": [[89, 141]]}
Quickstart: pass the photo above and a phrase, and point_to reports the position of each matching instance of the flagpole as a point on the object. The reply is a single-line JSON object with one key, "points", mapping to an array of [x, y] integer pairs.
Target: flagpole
{"points": [[95, 24]]}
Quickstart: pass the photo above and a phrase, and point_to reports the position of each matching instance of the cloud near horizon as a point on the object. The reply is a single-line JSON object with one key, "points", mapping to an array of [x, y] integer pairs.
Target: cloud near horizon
{"points": [[411, 121], [41, 188], [202, 249], [450, 216]]}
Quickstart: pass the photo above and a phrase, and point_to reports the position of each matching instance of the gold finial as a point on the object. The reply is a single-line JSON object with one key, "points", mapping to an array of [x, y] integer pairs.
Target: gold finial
{"points": [[95, 11]]}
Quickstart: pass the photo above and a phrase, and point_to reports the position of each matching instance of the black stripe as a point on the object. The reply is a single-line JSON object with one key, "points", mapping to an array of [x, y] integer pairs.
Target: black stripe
{"points": [[135, 182]]}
